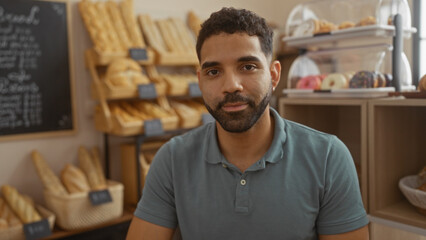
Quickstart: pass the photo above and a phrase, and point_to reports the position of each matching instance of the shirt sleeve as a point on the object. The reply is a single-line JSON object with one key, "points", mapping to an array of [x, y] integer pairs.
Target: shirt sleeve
{"points": [[157, 204], [342, 209]]}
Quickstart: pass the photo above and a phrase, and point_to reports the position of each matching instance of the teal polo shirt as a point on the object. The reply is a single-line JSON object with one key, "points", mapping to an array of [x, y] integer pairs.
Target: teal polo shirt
{"points": [[305, 184]]}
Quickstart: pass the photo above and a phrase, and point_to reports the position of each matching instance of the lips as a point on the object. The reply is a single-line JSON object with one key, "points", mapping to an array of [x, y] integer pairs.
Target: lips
{"points": [[233, 107]]}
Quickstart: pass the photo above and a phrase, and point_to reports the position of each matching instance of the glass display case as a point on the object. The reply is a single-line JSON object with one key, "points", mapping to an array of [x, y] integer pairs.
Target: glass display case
{"points": [[338, 17], [341, 68]]}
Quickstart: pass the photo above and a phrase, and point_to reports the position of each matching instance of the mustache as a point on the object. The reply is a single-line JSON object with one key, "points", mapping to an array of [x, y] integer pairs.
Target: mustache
{"points": [[235, 97]]}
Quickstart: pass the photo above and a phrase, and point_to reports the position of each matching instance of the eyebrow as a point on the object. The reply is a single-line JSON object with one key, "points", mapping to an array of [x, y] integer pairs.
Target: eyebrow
{"points": [[241, 59]]}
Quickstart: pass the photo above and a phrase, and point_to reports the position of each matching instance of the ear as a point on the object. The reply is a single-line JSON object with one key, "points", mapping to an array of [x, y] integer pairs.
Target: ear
{"points": [[275, 70]]}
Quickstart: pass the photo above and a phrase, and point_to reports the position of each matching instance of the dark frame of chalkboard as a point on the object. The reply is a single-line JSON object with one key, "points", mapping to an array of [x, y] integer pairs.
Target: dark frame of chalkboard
{"points": [[37, 93]]}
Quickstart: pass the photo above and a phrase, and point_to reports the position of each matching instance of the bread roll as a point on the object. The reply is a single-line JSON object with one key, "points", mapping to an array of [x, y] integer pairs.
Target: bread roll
{"points": [[7, 214], [74, 179], [25, 211], [125, 72], [50, 181], [86, 164]]}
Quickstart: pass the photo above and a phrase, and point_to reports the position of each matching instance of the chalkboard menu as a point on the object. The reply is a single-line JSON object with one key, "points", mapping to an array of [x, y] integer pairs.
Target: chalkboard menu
{"points": [[35, 80]]}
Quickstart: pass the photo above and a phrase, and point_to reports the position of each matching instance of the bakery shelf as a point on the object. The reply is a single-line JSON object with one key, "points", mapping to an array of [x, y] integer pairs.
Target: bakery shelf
{"points": [[396, 149], [103, 59], [345, 118], [321, 40]]}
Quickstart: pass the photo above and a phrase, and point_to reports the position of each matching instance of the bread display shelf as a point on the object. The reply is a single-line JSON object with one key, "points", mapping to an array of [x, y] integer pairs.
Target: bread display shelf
{"points": [[339, 93], [103, 59], [369, 32], [112, 124], [17, 232], [176, 59]]}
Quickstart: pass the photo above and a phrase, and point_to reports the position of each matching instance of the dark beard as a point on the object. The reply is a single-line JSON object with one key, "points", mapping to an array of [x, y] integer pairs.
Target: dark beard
{"points": [[240, 121]]}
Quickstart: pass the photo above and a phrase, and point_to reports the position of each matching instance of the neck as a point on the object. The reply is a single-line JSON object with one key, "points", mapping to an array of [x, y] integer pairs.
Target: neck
{"points": [[244, 149]]}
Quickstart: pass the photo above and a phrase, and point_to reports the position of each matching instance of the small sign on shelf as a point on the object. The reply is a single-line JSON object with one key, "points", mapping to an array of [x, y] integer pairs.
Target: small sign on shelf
{"points": [[138, 54], [153, 127], [147, 91], [100, 197], [37, 230]]}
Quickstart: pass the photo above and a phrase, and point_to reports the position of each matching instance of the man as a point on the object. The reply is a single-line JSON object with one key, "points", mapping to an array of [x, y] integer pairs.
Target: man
{"points": [[251, 174]]}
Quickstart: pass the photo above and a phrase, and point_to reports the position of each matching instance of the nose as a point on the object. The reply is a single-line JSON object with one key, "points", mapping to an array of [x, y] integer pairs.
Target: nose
{"points": [[231, 83]]}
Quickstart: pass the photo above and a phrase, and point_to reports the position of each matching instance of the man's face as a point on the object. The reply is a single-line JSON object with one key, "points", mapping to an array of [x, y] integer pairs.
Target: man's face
{"points": [[235, 80]]}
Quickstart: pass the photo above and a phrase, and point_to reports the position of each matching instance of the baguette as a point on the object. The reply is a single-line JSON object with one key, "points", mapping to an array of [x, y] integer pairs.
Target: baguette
{"points": [[194, 22], [74, 179], [98, 167], [50, 181], [8, 215], [134, 31], [120, 28], [86, 164], [25, 211], [152, 33]]}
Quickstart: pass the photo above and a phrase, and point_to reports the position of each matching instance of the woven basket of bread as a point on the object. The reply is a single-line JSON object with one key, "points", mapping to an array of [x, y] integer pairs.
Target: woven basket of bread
{"points": [[75, 211], [409, 186], [17, 232]]}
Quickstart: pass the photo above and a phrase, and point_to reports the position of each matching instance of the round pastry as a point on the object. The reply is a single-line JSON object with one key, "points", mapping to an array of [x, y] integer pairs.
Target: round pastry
{"points": [[308, 27], [334, 81], [370, 20], [346, 24], [381, 79], [309, 82], [422, 84], [388, 78], [349, 75], [326, 26], [363, 79]]}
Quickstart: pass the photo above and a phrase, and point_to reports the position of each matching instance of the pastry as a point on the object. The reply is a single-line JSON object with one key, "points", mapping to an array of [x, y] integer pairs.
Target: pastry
{"points": [[363, 79], [346, 24], [334, 81], [325, 27], [8, 215], [422, 84], [309, 82], [50, 181], [97, 163], [381, 79], [74, 179], [370, 20], [25, 211]]}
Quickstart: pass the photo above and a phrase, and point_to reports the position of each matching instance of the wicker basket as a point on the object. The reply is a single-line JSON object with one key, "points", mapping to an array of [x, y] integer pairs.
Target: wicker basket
{"points": [[17, 232], [416, 197], [75, 211]]}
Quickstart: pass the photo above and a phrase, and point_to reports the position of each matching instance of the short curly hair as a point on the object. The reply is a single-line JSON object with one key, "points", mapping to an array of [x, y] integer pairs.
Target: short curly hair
{"points": [[231, 20]]}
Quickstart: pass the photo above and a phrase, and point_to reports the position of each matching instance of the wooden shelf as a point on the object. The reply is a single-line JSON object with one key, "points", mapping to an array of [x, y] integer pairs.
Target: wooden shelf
{"points": [[345, 118], [396, 138]]}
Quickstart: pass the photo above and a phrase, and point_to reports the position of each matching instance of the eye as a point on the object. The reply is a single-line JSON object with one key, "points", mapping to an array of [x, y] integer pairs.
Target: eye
{"points": [[212, 72], [248, 67]]}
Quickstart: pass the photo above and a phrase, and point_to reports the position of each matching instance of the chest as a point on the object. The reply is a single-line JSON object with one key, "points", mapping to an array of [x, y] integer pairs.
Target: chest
{"points": [[272, 202]]}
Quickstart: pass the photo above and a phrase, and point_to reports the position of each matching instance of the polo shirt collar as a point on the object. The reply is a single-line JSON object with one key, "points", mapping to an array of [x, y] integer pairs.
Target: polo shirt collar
{"points": [[274, 154]]}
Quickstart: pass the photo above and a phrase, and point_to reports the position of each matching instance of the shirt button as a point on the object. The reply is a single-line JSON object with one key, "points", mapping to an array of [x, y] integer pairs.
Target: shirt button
{"points": [[224, 165], [243, 182]]}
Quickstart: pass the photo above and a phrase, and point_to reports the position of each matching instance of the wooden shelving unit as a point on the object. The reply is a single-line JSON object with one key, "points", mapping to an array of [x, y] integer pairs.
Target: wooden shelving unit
{"points": [[397, 148], [345, 118]]}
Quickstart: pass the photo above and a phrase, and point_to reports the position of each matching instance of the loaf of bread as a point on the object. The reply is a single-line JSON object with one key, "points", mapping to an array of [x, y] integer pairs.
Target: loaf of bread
{"points": [[88, 167], [187, 40], [8, 215], [74, 179], [25, 211], [120, 28], [136, 37], [194, 22], [97, 163], [125, 72], [50, 181], [3, 224], [151, 33]]}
